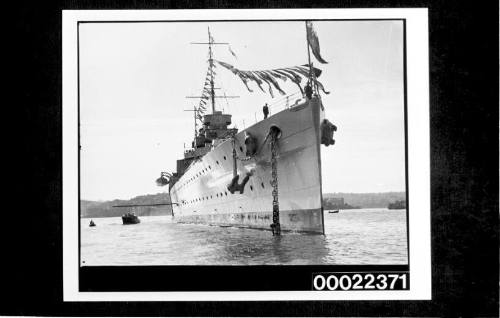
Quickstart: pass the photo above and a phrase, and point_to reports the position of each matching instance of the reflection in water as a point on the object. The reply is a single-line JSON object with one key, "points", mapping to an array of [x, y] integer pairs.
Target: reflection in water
{"points": [[263, 248], [376, 236]]}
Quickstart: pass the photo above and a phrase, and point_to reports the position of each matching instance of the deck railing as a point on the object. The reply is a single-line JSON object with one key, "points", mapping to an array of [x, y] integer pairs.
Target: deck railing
{"points": [[284, 102]]}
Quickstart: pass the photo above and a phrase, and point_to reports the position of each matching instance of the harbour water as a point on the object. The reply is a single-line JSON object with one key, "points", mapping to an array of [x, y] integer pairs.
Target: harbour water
{"points": [[361, 236]]}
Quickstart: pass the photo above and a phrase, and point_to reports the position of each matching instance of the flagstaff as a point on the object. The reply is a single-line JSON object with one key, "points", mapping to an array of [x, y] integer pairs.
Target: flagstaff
{"points": [[308, 53]]}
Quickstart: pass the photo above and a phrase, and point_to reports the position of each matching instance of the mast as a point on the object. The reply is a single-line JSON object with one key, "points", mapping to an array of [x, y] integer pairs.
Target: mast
{"points": [[312, 75], [211, 66], [211, 75], [195, 123], [194, 110]]}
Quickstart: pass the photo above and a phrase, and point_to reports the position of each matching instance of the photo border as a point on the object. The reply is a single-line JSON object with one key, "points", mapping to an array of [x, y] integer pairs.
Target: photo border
{"points": [[416, 131]]}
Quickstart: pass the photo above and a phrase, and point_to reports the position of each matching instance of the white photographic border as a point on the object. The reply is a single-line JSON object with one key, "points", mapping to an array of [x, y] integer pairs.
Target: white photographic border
{"points": [[418, 155]]}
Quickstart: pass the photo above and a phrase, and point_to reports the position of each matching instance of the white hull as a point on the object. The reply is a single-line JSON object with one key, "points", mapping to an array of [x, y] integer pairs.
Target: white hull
{"points": [[203, 197]]}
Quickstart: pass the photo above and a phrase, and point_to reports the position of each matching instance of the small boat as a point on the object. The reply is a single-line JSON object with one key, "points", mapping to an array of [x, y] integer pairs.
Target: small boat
{"points": [[91, 223], [333, 211], [130, 218]]}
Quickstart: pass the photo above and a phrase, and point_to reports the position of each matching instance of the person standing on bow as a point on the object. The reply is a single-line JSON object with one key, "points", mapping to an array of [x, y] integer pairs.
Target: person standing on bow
{"points": [[265, 110], [308, 90]]}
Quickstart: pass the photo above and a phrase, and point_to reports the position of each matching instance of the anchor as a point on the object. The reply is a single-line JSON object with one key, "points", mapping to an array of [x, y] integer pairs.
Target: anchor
{"points": [[234, 185], [327, 130]]}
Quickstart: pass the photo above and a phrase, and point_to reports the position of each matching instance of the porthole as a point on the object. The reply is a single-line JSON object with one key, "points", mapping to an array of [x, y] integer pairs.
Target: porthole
{"points": [[241, 149], [210, 167], [224, 157], [217, 162], [262, 185], [226, 193], [251, 188]]}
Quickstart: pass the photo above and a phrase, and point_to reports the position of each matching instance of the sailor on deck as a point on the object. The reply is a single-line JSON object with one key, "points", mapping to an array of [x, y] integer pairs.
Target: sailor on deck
{"points": [[265, 110], [308, 90]]}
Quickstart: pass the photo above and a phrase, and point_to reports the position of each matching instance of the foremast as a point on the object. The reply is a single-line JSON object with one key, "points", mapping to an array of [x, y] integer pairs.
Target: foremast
{"points": [[211, 69], [214, 128]]}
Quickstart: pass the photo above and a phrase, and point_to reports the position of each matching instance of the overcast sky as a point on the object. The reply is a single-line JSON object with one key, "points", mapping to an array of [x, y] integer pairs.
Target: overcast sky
{"points": [[134, 78]]}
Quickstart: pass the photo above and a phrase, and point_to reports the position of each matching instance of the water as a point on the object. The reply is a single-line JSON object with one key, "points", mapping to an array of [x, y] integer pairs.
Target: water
{"points": [[364, 236]]}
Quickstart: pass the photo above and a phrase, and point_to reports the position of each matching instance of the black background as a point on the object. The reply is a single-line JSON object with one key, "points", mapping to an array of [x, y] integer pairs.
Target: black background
{"points": [[464, 167], [214, 278]]}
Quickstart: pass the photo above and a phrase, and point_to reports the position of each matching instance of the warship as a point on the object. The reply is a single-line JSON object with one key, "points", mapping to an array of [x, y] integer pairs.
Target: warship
{"points": [[267, 176]]}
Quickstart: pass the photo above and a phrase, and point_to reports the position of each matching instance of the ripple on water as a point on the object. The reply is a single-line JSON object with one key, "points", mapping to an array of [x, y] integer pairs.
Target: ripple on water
{"points": [[351, 237]]}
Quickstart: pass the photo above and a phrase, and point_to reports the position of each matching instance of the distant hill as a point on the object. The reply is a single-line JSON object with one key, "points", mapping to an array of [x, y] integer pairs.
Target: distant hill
{"points": [[367, 200], [95, 209]]}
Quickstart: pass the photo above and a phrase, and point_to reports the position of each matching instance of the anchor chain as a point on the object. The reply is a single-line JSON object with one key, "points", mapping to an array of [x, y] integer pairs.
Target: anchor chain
{"points": [[275, 227]]}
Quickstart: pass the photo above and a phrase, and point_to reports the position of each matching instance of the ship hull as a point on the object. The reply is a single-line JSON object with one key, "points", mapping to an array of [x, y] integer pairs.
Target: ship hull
{"points": [[203, 197]]}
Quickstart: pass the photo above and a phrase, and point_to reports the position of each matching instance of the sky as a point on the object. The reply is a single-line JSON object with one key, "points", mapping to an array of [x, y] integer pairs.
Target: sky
{"points": [[134, 79]]}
